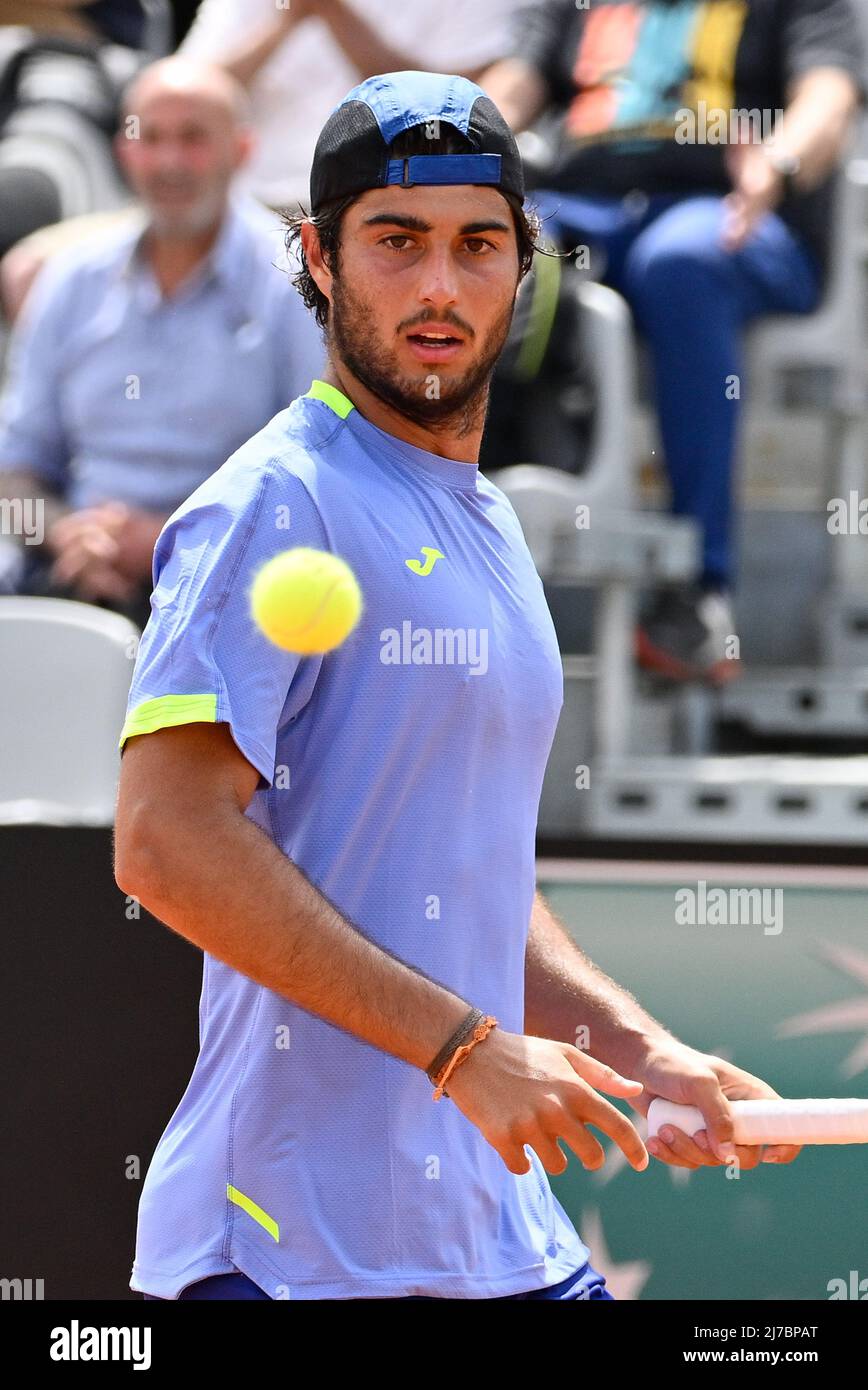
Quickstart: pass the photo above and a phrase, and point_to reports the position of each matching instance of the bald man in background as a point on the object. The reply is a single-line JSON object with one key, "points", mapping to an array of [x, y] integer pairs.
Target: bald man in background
{"points": [[142, 359]]}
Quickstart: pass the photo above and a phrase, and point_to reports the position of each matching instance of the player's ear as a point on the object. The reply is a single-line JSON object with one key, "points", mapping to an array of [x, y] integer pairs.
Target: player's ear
{"points": [[316, 263]]}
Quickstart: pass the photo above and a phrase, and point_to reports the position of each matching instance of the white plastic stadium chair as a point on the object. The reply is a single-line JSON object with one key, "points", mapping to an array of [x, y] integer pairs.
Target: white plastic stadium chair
{"points": [[545, 498], [65, 671]]}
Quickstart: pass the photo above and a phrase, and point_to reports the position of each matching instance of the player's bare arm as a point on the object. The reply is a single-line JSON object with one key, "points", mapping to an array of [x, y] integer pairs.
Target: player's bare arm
{"points": [[185, 848], [568, 997]]}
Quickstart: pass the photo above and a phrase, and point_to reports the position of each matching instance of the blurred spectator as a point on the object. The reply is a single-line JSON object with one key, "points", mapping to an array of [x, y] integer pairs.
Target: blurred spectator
{"points": [[22, 262], [120, 21], [183, 14], [146, 357], [299, 62], [702, 220], [62, 66]]}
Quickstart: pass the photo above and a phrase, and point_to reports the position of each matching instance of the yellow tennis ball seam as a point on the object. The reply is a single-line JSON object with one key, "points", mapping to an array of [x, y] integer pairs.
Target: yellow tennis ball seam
{"points": [[306, 629], [295, 579]]}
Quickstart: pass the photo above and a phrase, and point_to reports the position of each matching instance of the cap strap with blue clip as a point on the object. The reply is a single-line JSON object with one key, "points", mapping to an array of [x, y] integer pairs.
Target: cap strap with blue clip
{"points": [[444, 168]]}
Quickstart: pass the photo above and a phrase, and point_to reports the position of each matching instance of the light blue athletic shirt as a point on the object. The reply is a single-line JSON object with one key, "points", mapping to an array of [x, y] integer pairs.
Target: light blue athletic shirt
{"points": [[402, 774]]}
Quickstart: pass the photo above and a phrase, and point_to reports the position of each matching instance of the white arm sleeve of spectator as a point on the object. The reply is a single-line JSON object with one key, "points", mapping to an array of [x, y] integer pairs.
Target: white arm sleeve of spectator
{"points": [[221, 24], [467, 36]]}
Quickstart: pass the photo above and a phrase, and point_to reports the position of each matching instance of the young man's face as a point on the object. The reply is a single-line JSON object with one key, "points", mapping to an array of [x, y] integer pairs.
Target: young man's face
{"points": [[424, 260]]}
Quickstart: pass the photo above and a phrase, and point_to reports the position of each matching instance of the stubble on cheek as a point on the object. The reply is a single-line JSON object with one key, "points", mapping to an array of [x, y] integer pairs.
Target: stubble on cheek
{"points": [[427, 397]]}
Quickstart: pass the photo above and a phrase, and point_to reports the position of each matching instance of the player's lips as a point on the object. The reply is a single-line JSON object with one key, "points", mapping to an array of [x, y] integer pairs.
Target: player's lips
{"points": [[435, 342]]}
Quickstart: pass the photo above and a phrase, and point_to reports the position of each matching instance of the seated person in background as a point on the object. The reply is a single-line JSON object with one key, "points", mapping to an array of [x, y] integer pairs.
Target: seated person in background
{"points": [[143, 359], [23, 262], [298, 62], [62, 65], [702, 228]]}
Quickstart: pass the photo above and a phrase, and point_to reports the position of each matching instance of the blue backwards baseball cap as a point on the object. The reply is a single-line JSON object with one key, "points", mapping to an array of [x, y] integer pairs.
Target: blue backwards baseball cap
{"points": [[351, 154]]}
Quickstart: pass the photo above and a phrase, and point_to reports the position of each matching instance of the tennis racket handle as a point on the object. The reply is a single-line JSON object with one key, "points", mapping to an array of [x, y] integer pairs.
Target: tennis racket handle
{"points": [[774, 1121]]}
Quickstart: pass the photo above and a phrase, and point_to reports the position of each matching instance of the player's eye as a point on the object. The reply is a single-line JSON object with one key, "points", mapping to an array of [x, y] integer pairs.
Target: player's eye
{"points": [[479, 242], [396, 236]]}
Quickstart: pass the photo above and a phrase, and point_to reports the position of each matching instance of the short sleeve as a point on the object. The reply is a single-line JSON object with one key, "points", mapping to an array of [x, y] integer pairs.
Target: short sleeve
{"points": [[824, 33], [201, 657], [32, 434]]}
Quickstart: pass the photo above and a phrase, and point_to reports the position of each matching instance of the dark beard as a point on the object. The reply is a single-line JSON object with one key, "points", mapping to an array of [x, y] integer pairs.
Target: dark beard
{"points": [[463, 403]]}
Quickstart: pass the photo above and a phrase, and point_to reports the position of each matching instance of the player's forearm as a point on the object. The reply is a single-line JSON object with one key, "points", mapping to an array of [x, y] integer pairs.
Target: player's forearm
{"points": [[568, 998], [517, 90], [225, 886], [817, 123]]}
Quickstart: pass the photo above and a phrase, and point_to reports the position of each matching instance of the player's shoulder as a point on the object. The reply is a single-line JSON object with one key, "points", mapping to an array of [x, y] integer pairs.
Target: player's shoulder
{"points": [[495, 497], [277, 467], [501, 514], [289, 452]]}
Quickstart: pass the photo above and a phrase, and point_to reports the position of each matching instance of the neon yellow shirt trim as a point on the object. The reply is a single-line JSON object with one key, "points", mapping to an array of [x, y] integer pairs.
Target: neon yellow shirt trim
{"points": [[267, 1222], [166, 711], [335, 399]]}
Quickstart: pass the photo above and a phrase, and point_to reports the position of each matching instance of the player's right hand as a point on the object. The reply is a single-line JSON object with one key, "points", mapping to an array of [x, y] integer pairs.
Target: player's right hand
{"points": [[519, 1090]]}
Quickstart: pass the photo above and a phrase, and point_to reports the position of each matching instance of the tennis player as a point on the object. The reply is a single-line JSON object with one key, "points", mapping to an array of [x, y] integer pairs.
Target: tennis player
{"points": [[389, 1010]]}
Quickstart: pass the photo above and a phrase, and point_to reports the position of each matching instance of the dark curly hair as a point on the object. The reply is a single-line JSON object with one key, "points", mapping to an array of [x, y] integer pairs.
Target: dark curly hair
{"points": [[329, 221]]}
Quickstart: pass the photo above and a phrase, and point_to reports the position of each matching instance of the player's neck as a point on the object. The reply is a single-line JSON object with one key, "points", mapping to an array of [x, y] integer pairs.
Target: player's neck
{"points": [[459, 438]]}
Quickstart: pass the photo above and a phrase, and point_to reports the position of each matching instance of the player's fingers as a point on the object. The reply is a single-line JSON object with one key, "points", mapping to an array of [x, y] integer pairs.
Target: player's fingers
{"points": [[687, 1148], [590, 1109], [662, 1151], [741, 1152], [707, 1096], [513, 1156], [600, 1076], [550, 1153], [587, 1149], [781, 1153]]}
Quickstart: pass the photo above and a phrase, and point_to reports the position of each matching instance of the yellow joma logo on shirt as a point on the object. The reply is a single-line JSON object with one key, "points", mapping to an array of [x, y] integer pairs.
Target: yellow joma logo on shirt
{"points": [[425, 567]]}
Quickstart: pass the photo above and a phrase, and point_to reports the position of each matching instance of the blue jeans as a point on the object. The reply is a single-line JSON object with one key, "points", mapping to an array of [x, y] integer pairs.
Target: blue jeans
{"points": [[691, 300], [585, 1283]]}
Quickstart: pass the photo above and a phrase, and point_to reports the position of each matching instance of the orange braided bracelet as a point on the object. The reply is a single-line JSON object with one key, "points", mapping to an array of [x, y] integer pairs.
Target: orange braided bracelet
{"points": [[461, 1054]]}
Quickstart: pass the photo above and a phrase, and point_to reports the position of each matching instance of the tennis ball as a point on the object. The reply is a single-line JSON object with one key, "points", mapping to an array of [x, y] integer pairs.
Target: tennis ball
{"points": [[306, 600]]}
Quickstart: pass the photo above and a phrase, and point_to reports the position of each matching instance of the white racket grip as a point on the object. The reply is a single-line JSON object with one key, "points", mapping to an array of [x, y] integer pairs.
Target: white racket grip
{"points": [[774, 1121]]}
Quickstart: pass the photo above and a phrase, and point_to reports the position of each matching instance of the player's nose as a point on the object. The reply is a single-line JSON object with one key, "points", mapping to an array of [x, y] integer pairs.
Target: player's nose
{"points": [[438, 278]]}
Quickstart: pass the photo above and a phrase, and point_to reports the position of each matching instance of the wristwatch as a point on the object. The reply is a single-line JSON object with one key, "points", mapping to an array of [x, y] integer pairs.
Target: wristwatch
{"points": [[786, 165]]}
